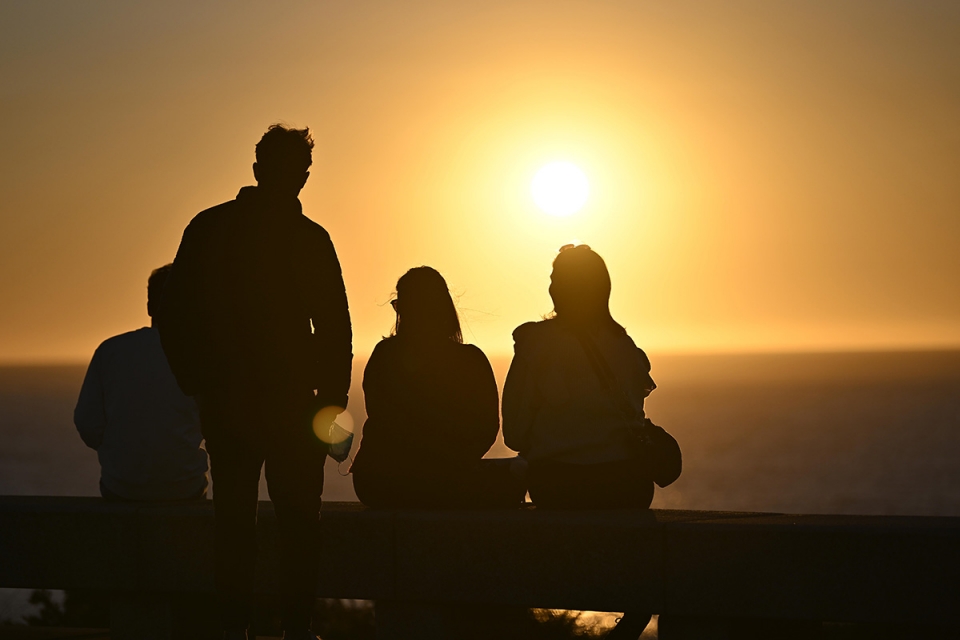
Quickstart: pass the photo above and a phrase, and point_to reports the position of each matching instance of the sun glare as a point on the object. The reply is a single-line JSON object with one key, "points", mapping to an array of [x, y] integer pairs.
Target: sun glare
{"points": [[560, 188]]}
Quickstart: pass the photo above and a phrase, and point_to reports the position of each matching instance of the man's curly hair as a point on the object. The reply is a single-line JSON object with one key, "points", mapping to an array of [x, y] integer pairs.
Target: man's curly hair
{"points": [[285, 149]]}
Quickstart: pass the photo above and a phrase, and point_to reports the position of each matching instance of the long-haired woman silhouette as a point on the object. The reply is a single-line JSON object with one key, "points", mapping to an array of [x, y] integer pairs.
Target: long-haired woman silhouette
{"points": [[432, 411], [573, 404]]}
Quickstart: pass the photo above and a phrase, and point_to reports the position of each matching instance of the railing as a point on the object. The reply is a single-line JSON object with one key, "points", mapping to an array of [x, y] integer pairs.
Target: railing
{"points": [[697, 569]]}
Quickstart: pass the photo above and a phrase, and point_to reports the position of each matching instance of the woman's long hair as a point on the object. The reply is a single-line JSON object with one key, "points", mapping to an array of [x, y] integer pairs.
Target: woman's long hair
{"points": [[424, 307], [580, 288]]}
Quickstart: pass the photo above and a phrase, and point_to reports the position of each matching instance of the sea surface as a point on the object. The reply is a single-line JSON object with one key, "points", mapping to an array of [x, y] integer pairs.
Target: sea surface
{"points": [[844, 433]]}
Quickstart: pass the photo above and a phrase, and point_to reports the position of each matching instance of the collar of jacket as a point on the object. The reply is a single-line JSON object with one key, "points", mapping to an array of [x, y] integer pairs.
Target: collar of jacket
{"points": [[258, 198]]}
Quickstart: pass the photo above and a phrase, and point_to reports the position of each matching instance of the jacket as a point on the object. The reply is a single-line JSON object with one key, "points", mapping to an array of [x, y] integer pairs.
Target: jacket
{"points": [[256, 298]]}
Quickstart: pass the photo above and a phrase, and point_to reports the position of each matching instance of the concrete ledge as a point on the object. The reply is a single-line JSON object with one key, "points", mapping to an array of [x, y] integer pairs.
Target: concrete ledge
{"points": [[837, 568], [595, 560], [833, 568]]}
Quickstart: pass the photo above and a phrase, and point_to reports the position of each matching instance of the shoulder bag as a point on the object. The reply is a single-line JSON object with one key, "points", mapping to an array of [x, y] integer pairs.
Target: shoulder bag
{"points": [[654, 448]]}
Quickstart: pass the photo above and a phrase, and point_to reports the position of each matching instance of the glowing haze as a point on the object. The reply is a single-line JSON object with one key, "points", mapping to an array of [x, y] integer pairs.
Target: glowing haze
{"points": [[761, 175]]}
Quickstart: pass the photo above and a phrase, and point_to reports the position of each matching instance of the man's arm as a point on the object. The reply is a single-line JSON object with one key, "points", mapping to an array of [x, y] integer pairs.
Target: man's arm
{"points": [[332, 333], [179, 314], [90, 416]]}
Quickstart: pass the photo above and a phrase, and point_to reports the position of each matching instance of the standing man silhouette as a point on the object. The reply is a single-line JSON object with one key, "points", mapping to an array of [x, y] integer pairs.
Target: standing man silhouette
{"points": [[255, 324]]}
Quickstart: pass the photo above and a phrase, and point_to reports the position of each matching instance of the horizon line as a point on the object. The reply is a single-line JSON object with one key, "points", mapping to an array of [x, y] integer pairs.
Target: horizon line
{"points": [[749, 351]]}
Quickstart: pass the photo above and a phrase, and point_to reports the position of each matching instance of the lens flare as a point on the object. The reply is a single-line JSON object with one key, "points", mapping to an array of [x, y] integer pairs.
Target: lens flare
{"points": [[560, 188], [323, 422]]}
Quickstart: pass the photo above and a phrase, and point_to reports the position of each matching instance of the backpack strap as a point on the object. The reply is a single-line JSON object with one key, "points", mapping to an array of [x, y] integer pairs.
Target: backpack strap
{"points": [[607, 377]]}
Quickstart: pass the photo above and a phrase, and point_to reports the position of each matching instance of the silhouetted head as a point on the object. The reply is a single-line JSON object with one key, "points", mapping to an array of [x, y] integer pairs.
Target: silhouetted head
{"points": [[424, 307], [155, 285], [580, 287], [283, 158]]}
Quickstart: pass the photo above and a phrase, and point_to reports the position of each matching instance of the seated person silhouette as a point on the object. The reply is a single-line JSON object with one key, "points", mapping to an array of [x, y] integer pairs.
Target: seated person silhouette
{"points": [[145, 430], [573, 405], [432, 411]]}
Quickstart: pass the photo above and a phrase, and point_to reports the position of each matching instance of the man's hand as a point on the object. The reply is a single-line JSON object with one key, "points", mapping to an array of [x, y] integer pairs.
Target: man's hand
{"points": [[323, 417]]}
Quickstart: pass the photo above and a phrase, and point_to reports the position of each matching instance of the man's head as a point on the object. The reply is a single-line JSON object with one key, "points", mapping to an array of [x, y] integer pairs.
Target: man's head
{"points": [[283, 157], [155, 285]]}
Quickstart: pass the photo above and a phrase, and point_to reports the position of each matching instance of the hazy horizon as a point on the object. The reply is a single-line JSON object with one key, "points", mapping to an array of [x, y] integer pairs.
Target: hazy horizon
{"points": [[360, 359], [764, 177], [802, 433]]}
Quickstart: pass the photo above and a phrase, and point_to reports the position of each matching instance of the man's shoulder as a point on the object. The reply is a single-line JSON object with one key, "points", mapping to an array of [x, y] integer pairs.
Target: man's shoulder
{"points": [[312, 229], [125, 341], [211, 215]]}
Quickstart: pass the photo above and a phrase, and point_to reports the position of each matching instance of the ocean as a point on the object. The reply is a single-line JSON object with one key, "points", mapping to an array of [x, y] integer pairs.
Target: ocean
{"points": [[843, 433]]}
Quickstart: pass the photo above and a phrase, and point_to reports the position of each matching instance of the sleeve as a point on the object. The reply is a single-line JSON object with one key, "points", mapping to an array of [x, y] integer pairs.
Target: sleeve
{"points": [[520, 398], [179, 317], [90, 415], [332, 333], [669, 461], [480, 415], [374, 384]]}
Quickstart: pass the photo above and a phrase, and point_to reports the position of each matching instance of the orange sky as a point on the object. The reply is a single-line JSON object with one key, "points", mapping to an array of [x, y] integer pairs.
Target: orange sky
{"points": [[764, 176]]}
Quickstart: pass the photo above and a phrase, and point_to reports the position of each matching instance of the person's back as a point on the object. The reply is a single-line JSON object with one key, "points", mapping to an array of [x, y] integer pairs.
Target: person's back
{"points": [[573, 399], [434, 403], [432, 411], [145, 430], [554, 392], [251, 276]]}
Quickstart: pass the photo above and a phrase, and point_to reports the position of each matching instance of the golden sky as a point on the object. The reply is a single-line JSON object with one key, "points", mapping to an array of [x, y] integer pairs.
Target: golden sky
{"points": [[764, 176]]}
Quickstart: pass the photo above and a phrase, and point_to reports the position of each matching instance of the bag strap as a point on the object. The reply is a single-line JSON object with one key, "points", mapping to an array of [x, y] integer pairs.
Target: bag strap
{"points": [[661, 452], [608, 378]]}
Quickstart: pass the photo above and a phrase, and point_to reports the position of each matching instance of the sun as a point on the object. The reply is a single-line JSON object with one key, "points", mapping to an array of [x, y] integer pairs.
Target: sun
{"points": [[560, 188]]}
